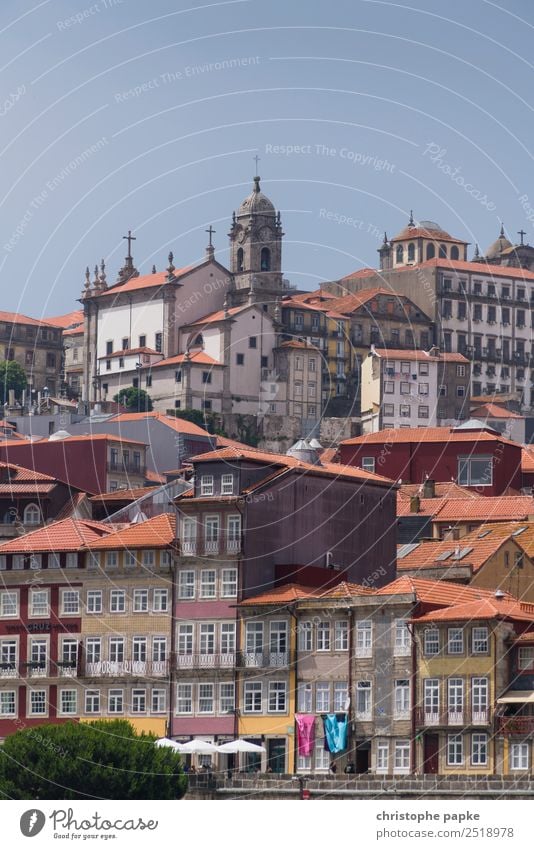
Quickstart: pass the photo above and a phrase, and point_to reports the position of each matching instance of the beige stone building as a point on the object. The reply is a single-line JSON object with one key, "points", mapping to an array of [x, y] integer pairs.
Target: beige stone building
{"points": [[35, 345]]}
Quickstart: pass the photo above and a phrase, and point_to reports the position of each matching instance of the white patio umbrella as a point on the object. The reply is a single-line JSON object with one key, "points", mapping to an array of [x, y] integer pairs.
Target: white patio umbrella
{"points": [[235, 746], [165, 742], [198, 747]]}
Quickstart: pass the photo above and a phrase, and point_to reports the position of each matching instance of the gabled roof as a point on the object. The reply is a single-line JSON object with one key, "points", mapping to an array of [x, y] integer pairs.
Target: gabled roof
{"points": [[347, 589], [434, 592], [486, 608], [443, 489], [67, 321], [481, 509], [284, 594], [158, 532], [494, 411], [66, 535], [144, 281], [195, 357], [527, 458], [128, 352], [447, 554], [361, 272], [17, 474], [122, 494], [426, 434], [521, 532], [19, 318], [173, 422], [219, 315], [419, 356]]}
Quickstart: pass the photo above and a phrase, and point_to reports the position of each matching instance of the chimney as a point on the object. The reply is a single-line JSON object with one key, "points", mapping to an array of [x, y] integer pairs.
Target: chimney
{"points": [[429, 488], [415, 504]]}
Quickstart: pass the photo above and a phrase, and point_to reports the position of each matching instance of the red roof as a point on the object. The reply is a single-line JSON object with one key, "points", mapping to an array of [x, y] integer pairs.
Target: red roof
{"points": [[196, 357], [285, 594], [220, 315], [481, 268], [494, 411], [527, 458], [419, 356], [361, 272], [131, 494], [19, 318], [145, 281], [479, 509], [442, 489], [69, 320], [448, 554], [434, 592], [421, 232], [426, 434], [129, 352], [486, 608], [20, 473], [174, 422], [158, 532], [66, 535]]}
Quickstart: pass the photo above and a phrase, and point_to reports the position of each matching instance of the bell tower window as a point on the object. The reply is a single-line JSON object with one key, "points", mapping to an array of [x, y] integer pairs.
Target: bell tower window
{"points": [[430, 251], [411, 252], [400, 253], [240, 259], [443, 252], [265, 260], [455, 253]]}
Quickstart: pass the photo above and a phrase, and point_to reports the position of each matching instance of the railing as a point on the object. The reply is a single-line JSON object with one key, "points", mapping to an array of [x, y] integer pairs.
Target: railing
{"points": [[127, 468], [515, 725], [112, 669], [223, 544], [9, 670], [263, 660], [205, 661], [424, 717]]}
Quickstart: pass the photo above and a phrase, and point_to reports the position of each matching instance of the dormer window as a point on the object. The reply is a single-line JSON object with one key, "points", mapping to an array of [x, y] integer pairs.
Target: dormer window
{"points": [[206, 485], [227, 485]]}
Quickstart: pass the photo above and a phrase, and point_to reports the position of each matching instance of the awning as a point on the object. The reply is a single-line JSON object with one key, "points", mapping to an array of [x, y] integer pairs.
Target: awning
{"points": [[517, 697]]}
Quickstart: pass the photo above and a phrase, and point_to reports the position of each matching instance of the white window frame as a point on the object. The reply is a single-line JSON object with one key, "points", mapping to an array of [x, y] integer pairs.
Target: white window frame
{"points": [[140, 600], [95, 596], [184, 698], [401, 757], [229, 583], [205, 584], [186, 584], [364, 687], [9, 600], [160, 600], [277, 697], [323, 636], [206, 485], [305, 636], [364, 638], [35, 612], [227, 484], [74, 602], [117, 601], [382, 756], [341, 635], [251, 691], [479, 748], [455, 749], [93, 702], [368, 464], [519, 756]]}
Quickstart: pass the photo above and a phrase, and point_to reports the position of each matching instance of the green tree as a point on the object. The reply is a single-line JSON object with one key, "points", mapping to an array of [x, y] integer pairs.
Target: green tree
{"points": [[103, 760], [12, 376], [134, 399]]}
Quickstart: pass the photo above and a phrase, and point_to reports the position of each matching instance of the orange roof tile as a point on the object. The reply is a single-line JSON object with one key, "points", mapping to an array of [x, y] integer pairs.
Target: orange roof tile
{"points": [[486, 608], [527, 459], [19, 318], [122, 494], [195, 357], [158, 532], [498, 508], [522, 533], [481, 268], [472, 552], [174, 422], [443, 489], [219, 315], [67, 321], [296, 343], [144, 281], [129, 352], [18, 474], [495, 411], [65, 535], [419, 356], [329, 455], [347, 589], [285, 594], [426, 434], [434, 592], [361, 272], [437, 235]]}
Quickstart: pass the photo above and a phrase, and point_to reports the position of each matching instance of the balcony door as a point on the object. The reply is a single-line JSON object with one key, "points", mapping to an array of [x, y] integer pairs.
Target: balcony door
{"points": [[431, 754]]}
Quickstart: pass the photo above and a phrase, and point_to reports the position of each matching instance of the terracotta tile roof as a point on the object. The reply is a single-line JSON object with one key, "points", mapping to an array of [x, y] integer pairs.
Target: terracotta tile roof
{"points": [[13, 436], [66, 535], [522, 533], [225, 442], [90, 437], [154, 477], [74, 331], [495, 411], [481, 268], [283, 460], [356, 300], [302, 306], [329, 455], [443, 489], [449, 554], [527, 459], [347, 589], [361, 272], [295, 343], [144, 281], [316, 295], [219, 315], [29, 489], [426, 434], [69, 320], [72, 504], [122, 494], [498, 508], [435, 592], [19, 318], [158, 532], [196, 357], [436, 235], [129, 352], [285, 594], [427, 506], [525, 637], [173, 422], [419, 356], [486, 608], [20, 473]]}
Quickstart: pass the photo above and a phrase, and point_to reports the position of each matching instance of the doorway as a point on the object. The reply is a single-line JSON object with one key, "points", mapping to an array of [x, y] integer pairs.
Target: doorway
{"points": [[431, 754], [276, 755], [363, 753]]}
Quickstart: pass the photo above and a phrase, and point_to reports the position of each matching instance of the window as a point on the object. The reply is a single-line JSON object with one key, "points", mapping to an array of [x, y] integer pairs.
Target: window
{"points": [[322, 758], [265, 259], [480, 640], [229, 583], [424, 369], [112, 559], [304, 698], [70, 601], [8, 655], [93, 648], [208, 584], [226, 697], [68, 701], [39, 603], [9, 603], [159, 649], [323, 636], [341, 694], [455, 750], [455, 641], [206, 377], [72, 560], [159, 701], [184, 698], [423, 388], [479, 698], [364, 638], [116, 701], [206, 698], [455, 688], [139, 645], [140, 601], [206, 485], [227, 638], [405, 411], [252, 342], [17, 561], [116, 649], [368, 464], [460, 391], [207, 638], [178, 376], [240, 359], [227, 485], [404, 388], [212, 528], [138, 701], [160, 601], [431, 641], [32, 515], [341, 635], [322, 697], [402, 699], [382, 756], [402, 638], [277, 697], [117, 601], [7, 703], [254, 638], [363, 700], [389, 387], [525, 657], [37, 702], [94, 601], [389, 410], [69, 652], [519, 756], [186, 584], [401, 763], [252, 696], [305, 636], [475, 471], [423, 411], [148, 558], [185, 640]]}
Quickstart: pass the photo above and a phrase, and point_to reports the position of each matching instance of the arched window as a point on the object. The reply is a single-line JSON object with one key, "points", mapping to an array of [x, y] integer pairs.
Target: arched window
{"points": [[240, 259], [455, 253], [265, 260], [400, 253], [430, 251], [411, 252], [443, 251], [32, 515]]}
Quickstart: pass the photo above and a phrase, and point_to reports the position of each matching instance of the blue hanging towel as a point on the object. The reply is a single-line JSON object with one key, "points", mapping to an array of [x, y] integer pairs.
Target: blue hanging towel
{"points": [[336, 728]]}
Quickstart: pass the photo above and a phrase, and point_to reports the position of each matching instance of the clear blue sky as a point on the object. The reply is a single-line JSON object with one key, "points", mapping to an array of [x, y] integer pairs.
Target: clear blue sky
{"points": [[111, 118]]}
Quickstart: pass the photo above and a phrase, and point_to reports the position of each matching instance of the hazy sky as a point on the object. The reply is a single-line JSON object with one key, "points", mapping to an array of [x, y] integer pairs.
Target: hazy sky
{"points": [[121, 114]]}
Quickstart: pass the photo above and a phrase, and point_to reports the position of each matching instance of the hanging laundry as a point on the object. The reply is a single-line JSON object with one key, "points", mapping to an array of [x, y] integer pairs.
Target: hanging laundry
{"points": [[305, 733], [336, 728]]}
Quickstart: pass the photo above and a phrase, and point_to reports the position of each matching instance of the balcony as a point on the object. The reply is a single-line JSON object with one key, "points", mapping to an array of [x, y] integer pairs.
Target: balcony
{"points": [[126, 468], [205, 661], [8, 670], [132, 668], [263, 660], [222, 544], [520, 725], [451, 718]]}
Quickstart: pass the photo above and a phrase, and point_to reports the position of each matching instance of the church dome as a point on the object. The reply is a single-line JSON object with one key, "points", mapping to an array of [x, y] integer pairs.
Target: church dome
{"points": [[498, 246], [256, 202]]}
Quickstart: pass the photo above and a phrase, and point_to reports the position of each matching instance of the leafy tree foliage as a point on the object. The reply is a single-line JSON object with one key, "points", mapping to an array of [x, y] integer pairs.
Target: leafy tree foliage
{"points": [[103, 760], [134, 399], [12, 376]]}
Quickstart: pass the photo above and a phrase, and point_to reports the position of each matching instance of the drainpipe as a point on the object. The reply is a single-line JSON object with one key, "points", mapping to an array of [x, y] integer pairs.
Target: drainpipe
{"points": [[237, 681], [350, 677], [172, 659], [414, 697]]}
